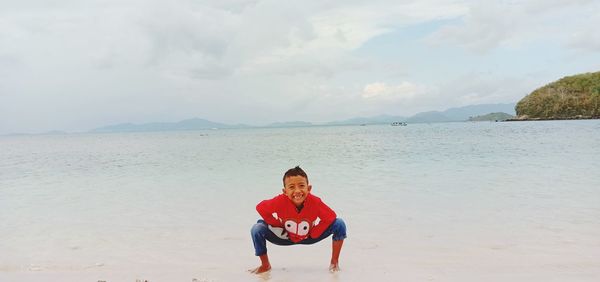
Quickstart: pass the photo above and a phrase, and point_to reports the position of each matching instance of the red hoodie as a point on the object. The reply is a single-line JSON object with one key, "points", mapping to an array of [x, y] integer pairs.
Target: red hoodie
{"points": [[299, 225]]}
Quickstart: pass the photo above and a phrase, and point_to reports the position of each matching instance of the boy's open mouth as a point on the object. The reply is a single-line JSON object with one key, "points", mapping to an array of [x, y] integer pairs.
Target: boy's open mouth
{"points": [[298, 196]]}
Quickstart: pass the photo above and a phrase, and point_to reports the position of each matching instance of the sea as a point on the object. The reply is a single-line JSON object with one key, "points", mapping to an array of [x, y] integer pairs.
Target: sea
{"points": [[481, 201]]}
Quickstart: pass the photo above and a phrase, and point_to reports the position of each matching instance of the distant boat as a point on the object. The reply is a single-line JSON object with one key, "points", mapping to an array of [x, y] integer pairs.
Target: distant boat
{"points": [[398, 123], [363, 124]]}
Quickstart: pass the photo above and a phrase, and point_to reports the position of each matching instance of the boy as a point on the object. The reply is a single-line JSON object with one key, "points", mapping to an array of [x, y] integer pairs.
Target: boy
{"points": [[296, 217]]}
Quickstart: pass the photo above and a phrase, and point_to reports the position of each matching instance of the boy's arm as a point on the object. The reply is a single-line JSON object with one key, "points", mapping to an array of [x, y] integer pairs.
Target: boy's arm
{"points": [[327, 216], [266, 209]]}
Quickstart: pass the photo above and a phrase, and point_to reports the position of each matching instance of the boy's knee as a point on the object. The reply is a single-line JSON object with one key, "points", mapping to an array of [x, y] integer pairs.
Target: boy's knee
{"points": [[339, 223], [339, 229], [258, 228]]}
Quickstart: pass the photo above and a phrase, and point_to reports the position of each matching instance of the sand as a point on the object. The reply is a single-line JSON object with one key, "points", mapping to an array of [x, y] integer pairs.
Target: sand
{"points": [[361, 260]]}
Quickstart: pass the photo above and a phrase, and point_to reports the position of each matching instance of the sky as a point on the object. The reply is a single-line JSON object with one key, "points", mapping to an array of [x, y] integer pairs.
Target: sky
{"points": [[76, 65]]}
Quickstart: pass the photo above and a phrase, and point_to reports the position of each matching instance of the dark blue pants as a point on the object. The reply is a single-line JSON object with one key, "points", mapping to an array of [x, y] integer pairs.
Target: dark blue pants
{"points": [[261, 234]]}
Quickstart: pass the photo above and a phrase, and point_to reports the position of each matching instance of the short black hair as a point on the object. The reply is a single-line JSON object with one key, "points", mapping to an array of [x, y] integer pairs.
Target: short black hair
{"points": [[295, 171]]}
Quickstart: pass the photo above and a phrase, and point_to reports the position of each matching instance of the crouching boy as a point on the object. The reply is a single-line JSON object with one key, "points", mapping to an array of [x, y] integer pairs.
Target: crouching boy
{"points": [[296, 217]]}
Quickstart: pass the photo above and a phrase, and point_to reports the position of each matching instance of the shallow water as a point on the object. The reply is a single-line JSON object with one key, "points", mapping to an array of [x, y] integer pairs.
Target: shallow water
{"points": [[504, 201]]}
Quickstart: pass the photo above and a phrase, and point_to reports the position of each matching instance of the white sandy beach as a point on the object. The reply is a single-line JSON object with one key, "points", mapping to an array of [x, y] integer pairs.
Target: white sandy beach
{"points": [[406, 251], [362, 261], [480, 204]]}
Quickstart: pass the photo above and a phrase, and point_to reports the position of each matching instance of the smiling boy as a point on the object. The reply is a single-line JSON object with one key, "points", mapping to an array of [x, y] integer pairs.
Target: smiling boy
{"points": [[296, 217]]}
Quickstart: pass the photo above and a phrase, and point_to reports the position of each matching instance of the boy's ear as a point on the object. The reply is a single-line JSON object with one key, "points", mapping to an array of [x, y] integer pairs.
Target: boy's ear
{"points": [[309, 187], [283, 190]]}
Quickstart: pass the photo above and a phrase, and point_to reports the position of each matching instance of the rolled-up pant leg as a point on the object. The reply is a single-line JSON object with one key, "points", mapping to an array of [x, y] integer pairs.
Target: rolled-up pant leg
{"points": [[337, 228], [261, 233]]}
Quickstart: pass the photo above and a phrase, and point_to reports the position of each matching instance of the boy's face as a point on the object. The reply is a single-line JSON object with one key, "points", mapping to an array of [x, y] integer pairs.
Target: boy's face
{"points": [[296, 188]]}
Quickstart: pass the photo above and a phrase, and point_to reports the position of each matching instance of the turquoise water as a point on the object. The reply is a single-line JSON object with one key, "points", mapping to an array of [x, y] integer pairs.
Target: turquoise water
{"points": [[505, 192]]}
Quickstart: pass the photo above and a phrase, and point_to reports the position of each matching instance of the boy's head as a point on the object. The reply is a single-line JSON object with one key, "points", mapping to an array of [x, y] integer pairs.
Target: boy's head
{"points": [[295, 185]]}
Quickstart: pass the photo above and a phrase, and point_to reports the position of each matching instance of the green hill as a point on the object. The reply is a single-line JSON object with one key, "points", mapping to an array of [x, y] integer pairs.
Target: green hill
{"points": [[492, 117], [571, 97]]}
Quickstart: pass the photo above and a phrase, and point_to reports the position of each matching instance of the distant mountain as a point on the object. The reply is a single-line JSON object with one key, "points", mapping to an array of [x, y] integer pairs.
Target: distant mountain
{"points": [[290, 124], [368, 120], [51, 132], [449, 115], [462, 113], [188, 124], [492, 117], [54, 132], [433, 116], [453, 114]]}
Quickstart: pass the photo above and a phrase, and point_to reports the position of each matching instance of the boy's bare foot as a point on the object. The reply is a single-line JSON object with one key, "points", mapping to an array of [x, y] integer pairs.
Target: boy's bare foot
{"points": [[260, 269], [334, 267], [336, 248], [265, 265]]}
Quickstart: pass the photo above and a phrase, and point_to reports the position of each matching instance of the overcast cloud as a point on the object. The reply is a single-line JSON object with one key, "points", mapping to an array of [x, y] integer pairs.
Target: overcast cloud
{"points": [[77, 65]]}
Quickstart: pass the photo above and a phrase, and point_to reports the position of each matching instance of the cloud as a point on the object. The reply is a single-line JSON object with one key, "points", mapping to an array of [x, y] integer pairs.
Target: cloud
{"points": [[379, 90], [403, 98], [216, 40], [73, 65], [326, 34], [489, 25], [486, 88], [584, 35]]}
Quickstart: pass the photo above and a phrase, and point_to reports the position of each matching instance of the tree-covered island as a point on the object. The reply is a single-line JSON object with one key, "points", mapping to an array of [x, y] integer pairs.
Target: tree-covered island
{"points": [[571, 97], [492, 117]]}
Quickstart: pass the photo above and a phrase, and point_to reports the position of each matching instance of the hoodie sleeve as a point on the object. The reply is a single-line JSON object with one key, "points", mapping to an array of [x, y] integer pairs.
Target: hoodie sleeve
{"points": [[266, 209], [327, 216]]}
